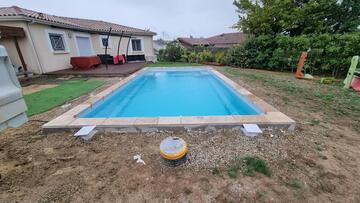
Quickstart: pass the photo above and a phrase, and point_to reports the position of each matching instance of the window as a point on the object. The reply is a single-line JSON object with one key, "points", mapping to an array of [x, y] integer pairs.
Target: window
{"points": [[136, 45], [57, 41]]}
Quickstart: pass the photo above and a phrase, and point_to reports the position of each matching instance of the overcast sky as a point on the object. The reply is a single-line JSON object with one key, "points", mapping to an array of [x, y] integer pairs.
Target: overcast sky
{"points": [[168, 18]]}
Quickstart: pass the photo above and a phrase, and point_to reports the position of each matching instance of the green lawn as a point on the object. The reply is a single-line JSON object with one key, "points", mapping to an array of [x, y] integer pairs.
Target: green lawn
{"points": [[330, 96], [47, 99], [172, 64]]}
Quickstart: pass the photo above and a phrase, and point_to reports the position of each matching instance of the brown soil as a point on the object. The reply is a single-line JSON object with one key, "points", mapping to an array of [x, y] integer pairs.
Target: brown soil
{"points": [[35, 88], [322, 156]]}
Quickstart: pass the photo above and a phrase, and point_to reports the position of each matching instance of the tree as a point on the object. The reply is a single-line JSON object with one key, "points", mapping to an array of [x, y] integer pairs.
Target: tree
{"points": [[172, 53], [296, 17]]}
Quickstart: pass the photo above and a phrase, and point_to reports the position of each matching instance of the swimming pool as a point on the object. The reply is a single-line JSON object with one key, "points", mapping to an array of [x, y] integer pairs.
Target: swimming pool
{"points": [[173, 92], [159, 98]]}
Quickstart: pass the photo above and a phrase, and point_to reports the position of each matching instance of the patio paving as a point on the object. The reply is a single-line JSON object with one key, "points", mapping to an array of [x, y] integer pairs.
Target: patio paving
{"points": [[113, 70]]}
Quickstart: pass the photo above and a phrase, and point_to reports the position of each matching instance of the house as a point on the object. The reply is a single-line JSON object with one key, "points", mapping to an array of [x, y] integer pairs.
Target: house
{"points": [[159, 44], [45, 43], [222, 41], [193, 42]]}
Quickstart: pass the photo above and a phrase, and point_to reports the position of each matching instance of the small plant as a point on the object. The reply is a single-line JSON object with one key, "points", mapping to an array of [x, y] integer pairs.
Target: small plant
{"points": [[254, 164], [294, 183], [215, 171], [232, 171], [259, 194], [187, 191], [234, 168], [249, 166]]}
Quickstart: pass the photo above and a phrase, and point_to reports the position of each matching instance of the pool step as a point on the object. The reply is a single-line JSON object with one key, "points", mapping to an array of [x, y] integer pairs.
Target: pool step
{"points": [[229, 107], [128, 97]]}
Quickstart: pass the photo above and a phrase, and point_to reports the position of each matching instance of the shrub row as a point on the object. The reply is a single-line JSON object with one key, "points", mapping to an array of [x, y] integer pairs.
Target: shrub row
{"points": [[328, 54], [175, 53]]}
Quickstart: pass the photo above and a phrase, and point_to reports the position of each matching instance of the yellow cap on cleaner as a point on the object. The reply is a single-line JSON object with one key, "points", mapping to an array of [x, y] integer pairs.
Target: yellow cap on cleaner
{"points": [[173, 148]]}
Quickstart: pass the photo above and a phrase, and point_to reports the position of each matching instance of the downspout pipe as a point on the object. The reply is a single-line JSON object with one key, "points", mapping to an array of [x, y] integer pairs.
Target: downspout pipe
{"points": [[33, 47]]}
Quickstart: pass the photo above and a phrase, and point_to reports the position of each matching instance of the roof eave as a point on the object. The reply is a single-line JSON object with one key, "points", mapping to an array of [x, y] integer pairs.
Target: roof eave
{"points": [[66, 26]]}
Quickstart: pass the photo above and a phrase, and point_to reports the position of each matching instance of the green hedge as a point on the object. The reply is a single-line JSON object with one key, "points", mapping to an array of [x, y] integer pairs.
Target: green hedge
{"points": [[329, 54], [172, 53]]}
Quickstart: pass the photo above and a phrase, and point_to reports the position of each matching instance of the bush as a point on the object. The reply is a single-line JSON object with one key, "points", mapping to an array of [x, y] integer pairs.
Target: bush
{"points": [[329, 54], [193, 57], [238, 56], [220, 58], [172, 53], [206, 56]]}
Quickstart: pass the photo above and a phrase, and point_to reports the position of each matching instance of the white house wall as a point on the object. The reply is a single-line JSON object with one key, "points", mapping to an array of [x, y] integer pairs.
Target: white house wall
{"points": [[53, 61], [26, 48]]}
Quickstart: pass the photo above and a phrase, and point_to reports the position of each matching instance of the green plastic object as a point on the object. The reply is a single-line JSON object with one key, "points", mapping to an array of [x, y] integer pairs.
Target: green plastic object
{"points": [[350, 74], [327, 80]]}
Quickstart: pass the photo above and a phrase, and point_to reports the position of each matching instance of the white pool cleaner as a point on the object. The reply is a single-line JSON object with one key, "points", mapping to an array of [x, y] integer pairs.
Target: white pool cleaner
{"points": [[12, 103], [173, 151]]}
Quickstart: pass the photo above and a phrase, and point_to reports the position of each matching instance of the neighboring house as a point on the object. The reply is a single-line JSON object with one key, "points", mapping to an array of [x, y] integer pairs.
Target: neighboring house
{"points": [[45, 43], [159, 44], [223, 41], [192, 42]]}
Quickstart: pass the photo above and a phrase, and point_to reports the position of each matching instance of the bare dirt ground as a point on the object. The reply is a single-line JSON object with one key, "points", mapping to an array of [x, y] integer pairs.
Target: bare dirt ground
{"points": [[318, 162], [36, 88]]}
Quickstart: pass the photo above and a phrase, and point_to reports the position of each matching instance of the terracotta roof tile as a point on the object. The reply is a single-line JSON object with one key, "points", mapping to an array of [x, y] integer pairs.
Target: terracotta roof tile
{"points": [[86, 24], [193, 41], [224, 40], [227, 39]]}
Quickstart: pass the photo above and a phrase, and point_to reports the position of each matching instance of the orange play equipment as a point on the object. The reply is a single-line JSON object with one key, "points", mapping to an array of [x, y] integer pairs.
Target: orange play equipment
{"points": [[299, 70], [299, 74]]}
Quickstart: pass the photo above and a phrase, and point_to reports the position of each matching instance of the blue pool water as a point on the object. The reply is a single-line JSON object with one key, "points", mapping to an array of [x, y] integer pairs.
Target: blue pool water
{"points": [[170, 92]]}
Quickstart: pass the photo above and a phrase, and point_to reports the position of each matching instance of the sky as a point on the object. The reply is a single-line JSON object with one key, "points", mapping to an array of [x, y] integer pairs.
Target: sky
{"points": [[168, 18]]}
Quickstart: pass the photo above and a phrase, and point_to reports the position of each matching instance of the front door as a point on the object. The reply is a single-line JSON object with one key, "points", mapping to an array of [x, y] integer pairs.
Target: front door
{"points": [[84, 46]]}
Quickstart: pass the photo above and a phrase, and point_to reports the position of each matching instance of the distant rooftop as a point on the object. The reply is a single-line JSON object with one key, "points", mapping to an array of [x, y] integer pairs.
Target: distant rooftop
{"points": [[74, 23], [193, 41], [224, 40]]}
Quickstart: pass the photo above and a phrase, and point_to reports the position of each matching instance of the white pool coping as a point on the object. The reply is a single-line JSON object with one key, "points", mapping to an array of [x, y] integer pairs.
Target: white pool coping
{"points": [[271, 117]]}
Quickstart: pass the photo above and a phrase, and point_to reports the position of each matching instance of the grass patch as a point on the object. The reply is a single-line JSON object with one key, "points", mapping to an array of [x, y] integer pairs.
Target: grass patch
{"points": [[249, 165], [172, 64], [47, 99], [331, 96], [254, 164], [294, 183], [233, 169]]}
